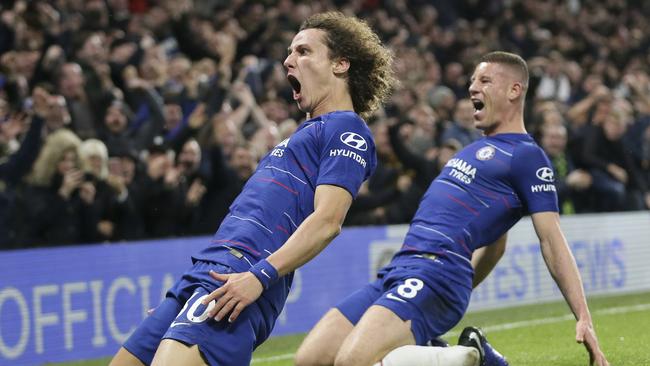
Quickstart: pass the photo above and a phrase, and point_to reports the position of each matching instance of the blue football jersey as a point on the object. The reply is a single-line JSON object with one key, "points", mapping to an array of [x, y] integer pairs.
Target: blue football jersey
{"points": [[335, 148], [480, 194]]}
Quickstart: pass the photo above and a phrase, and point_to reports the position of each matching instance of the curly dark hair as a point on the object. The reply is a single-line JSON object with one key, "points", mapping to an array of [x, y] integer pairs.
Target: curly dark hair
{"points": [[370, 76]]}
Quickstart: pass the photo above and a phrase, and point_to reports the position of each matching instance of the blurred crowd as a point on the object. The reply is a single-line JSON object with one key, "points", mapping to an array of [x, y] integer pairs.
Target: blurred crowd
{"points": [[133, 119]]}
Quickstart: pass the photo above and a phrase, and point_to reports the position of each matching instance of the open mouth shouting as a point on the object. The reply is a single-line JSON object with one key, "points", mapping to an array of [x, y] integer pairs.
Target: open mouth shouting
{"points": [[295, 85], [478, 107]]}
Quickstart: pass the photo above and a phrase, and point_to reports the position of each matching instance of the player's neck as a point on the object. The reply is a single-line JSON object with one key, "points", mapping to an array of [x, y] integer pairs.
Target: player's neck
{"points": [[512, 122], [338, 99]]}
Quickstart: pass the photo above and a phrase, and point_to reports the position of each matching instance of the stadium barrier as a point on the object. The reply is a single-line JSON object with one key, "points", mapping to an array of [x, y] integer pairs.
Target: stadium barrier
{"points": [[81, 302]]}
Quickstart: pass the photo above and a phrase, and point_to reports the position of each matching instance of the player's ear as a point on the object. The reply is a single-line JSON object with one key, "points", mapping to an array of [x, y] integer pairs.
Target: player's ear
{"points": [[340, 65], [516, 90]]}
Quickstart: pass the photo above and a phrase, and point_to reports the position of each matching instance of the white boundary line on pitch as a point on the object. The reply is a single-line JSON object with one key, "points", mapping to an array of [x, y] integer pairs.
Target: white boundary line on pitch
{"points": [[507, 326], [558, 319]]}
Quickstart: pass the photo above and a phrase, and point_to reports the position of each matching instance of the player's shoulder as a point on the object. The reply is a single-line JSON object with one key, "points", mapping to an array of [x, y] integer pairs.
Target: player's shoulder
{"points": [[516, 143], [344, 122], [343, 119], [529, 147]]}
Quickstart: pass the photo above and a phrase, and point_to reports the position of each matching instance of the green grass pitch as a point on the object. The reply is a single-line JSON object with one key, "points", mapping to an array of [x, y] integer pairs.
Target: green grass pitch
{"points": [[528, 336]]}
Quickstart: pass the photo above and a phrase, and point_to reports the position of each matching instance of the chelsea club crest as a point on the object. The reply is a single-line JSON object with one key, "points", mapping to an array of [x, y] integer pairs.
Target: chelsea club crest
{"points": [[485, 153]]}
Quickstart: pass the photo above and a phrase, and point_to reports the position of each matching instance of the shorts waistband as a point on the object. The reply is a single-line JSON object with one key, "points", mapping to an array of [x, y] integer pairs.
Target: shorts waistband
{"points": [[237, 254]]}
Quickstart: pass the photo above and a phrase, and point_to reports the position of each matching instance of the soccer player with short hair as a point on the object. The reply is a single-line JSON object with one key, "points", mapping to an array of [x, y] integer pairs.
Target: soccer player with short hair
{"points": [[479, 195], [288, 211]]}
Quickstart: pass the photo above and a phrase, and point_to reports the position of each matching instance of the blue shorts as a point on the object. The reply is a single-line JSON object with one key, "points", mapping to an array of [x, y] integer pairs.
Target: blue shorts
{"points": [[182, 317], [419, 290]]}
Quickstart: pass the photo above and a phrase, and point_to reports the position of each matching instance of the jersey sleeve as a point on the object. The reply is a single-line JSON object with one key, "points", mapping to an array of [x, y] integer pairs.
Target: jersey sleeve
{"points": [[347, 155], [533, 179]]}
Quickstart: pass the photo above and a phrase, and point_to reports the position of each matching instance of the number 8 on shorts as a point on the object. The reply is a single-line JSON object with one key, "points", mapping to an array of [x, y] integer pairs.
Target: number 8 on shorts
{"points": [[408, 290]]}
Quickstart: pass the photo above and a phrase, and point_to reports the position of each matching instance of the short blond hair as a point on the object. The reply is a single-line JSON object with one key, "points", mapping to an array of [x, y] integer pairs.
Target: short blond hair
{"points": [[511, 60]]}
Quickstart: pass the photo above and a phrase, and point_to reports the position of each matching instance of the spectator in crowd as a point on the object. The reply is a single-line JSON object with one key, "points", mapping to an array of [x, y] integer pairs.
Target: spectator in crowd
{"points": [[456, 79], [442, 99], [160, 201], [616, 180], [462, 128], [425, 129], [572, 183], [421, 171], [192, 185], [14, 165], [554, 84], [114, 205], [126, 176], [120, 126], [380, 190], [115, 65], [227, 178], [59, 201], [84, 110], [58, 115]]}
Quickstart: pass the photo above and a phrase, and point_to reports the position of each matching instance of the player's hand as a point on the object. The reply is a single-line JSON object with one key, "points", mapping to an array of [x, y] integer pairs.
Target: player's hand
{"points": [[238, 291], [586, 335]]}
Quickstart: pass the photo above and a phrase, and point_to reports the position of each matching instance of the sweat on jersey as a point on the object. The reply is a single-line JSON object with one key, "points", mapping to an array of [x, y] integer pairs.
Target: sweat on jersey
{"points": [[480, 194], [335, 149]]}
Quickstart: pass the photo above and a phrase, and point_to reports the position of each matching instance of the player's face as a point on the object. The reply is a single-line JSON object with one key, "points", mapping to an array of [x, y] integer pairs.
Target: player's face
{"points": [[309, 70], [487, 90]]}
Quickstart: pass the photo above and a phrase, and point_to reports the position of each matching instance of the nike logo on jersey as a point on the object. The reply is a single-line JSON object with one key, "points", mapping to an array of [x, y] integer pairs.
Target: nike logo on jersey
{"points": [[264, 273]]}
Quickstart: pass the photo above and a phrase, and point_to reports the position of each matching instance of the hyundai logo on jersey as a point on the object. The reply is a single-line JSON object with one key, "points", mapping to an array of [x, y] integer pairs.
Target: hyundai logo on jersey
{"points": [[354, 140], [545, 174]]}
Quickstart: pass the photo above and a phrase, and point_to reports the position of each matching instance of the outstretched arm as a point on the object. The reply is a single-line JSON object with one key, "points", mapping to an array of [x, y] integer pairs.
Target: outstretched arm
{"points": [[484, 259], [562, 266], [331, 203]]}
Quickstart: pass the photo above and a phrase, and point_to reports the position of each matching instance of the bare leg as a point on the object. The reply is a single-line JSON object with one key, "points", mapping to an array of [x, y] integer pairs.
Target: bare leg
{"points": [[324, 340], [378, 332], [125, 358], [171, 352]]}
